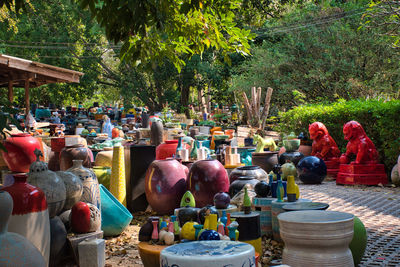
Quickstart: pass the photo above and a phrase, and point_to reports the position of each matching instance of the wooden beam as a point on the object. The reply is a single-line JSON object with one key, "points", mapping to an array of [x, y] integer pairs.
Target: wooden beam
{"points": [[10, 92], [27, 102]]}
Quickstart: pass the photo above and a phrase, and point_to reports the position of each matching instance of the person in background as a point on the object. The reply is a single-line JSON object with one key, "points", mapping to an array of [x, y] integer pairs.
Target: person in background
{"points": [[80, 105]]}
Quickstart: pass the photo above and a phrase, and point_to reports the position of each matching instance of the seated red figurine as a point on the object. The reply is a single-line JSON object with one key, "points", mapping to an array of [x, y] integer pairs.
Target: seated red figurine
{"points": [[365, 168]]}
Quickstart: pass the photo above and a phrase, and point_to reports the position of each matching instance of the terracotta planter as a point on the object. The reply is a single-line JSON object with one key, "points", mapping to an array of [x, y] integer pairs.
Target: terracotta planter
{"points": [[104, 158], [251, 171], [20, 148], [165, 184], [316, 238], [265, 160], [205, 179], [305, 150], [75, 152], [30, 217]]}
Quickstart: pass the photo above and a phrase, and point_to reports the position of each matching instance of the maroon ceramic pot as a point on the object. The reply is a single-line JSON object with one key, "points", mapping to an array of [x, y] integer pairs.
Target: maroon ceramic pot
{"points": [[165, 184], [205, 179], [20, 148], [75, 152]]}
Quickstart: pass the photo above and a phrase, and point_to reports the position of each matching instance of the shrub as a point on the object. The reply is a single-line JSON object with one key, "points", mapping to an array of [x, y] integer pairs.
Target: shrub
{"points": [[380, 120]]}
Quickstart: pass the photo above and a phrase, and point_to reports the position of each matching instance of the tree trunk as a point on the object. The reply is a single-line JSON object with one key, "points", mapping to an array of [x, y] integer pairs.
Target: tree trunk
{"points": [[184, 101]]}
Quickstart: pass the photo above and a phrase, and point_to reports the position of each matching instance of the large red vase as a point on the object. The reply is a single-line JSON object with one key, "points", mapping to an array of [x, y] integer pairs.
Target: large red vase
{"points": [[167, 149], [205, 179], [20, 148], [30, 217], [165, 184]]}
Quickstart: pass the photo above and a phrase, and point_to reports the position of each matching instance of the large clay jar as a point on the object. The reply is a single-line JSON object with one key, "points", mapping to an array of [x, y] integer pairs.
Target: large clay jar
{"points": [[91, 191], [20, 148], [15, 250], [30, 217], [266, 160], [104, 158], [157, 130], [165, 184], [53, 186], [58, 241], [57, 144], [239, 183], [73, 188], [205, 179], [294, 156], [75, 152], [253, 171], [167, 149]]}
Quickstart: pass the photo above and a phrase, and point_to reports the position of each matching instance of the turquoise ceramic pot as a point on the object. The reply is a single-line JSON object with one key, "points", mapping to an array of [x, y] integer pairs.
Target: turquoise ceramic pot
{"points": [[114, 216]]}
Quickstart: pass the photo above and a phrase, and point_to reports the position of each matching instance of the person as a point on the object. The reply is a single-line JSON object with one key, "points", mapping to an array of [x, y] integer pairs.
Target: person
{"points": [[80, 105]]}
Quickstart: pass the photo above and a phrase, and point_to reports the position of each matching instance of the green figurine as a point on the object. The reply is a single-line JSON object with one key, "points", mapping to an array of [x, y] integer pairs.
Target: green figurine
{"points": [[246, 202], [188, 200]]}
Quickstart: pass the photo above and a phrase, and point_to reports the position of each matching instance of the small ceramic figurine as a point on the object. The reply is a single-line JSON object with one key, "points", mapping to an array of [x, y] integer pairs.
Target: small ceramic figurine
{"points": [[323, 146], [359, 144], [261, 143]]}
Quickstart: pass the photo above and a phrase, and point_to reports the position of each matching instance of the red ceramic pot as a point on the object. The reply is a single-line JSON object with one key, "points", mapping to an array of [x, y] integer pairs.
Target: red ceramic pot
{"points": [[165, 184], [75, 152], [167, 149], [20, 148], [205, 179], [57, 143], [80, 218]]}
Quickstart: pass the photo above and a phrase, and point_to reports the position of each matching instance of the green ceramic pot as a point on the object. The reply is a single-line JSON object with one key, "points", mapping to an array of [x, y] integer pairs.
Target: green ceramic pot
{"points": [[103, 175], [359, 242], [291, 145]]}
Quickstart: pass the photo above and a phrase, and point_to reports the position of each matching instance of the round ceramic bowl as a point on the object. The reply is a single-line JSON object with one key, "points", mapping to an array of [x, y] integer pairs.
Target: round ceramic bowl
{"points": [[292, 144]]}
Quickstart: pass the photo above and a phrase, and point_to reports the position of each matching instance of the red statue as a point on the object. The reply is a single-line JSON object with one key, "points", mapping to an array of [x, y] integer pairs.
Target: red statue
{"points": [[323, 146], [359, 144]]}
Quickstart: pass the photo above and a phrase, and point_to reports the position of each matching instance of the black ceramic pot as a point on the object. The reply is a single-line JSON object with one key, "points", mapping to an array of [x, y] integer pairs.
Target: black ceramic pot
{"points": [[187, 214], [147, 229], [252, 171], [294, 157], [311, 170], [248, 141], [262, 189], [238, 184], [265, 160]]}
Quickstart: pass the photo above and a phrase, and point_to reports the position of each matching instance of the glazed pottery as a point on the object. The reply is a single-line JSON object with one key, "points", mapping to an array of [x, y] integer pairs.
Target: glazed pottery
{"points": [[15, 250], [262, 189], [103, 175], [291, 145], [266, 160], [316, 238], [104, 158], [150, 254], [311, 170], [359, 242], [117, 181], [167, 149], [75, 152], [394, 175], [91, 193], [73, 188], [52, 186], [58, 241], [85, 218], [294, 157], [239, 183], [57, 144], [205, 179], [187, 214], [114, 216], [165, 184], [251, 171], [20, 151], [30, 217], [141, 156], [157, 130], [147, 229], [305, 150]]}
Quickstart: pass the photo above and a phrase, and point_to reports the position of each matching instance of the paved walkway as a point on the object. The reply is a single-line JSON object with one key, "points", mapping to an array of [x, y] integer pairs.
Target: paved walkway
{"points": [[377, 207]]}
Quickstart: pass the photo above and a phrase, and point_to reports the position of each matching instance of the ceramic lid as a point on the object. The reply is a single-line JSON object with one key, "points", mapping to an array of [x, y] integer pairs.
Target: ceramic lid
{"points": [[38, 166]]}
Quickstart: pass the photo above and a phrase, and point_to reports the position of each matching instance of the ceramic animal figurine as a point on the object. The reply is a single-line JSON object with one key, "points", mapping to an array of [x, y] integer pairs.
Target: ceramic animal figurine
{"points": [[323, 146], [261, 143], [359, 144]]}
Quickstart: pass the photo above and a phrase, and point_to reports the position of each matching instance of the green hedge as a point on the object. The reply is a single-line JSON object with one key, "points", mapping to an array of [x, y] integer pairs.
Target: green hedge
{"points": [[380, 120]]}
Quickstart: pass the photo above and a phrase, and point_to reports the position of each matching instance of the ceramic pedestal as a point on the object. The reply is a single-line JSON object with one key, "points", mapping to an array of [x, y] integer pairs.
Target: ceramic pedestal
{"points": [[368, 174], [263, 206]]}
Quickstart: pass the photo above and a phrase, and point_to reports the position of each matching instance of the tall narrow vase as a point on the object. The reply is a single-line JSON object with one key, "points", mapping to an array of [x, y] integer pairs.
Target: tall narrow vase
{"points": [[117, 181]]}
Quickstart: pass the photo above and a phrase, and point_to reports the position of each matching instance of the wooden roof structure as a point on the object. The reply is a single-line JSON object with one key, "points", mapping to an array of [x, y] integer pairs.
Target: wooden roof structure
{"points": [[18, 72]]}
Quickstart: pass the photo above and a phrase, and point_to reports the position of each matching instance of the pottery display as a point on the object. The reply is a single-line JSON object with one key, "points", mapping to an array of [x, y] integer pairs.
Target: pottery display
{"points": [[58, 241], [91, 192], [85, 218], [104, 158], [73, 188], [251, 171], [240, 182], [114, 216], [266, 160], [20, 151], [75, 152], [205, 179], [294, 157], [15, 250], [30, 217], [311, 170], [57, 144], [157, 130], [165, 184], [117, 180], [316, 238], [48, 181], [146, 229], [103, 175]]}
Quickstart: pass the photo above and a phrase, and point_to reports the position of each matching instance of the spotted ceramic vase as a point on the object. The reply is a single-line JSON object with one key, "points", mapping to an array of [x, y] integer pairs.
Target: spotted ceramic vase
{"points": [[15, 250], [73, 188], [91, 191], [85, 218]]}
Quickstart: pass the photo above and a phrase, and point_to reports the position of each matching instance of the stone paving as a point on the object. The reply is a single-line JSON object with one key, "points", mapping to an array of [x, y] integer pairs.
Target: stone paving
{"points": [[377, 207]]}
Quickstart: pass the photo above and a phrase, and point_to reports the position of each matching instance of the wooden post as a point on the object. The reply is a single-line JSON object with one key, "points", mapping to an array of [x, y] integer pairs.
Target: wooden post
{"points": [[10, 92], [27, 104]]}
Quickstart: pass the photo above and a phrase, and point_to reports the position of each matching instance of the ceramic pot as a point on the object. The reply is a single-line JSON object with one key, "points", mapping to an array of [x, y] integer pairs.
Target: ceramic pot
{"points": [[394, 175], [145, 120], [311, 170], [294, 157], [239, 183], [58, 242], [141, 156], [146, 230], [19, 155], [316, 238], [30, 217], [251, 171], [266, 160], [15, 250], [205, 179], [165, 184], [167, 149], [117, 180], [114, 216], [85, 218], [75, 152], [103, 175], [53, 186], [73, 188], [291, 145], [104, 158], [91, 192], [305, 150], [54, 161], [248, 141], [157, 130]]}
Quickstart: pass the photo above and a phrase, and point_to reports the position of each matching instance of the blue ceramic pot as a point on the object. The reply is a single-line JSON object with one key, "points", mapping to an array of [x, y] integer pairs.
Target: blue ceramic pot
{"points": [[114, 216]]}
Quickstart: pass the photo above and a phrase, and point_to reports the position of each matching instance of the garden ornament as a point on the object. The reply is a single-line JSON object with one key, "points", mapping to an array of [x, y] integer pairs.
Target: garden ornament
{"points": [[323, 146], [261, 143]]}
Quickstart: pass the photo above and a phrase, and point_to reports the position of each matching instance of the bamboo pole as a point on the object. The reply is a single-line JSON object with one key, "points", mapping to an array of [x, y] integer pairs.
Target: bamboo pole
{"points": [[267, 103]]}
